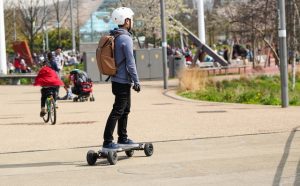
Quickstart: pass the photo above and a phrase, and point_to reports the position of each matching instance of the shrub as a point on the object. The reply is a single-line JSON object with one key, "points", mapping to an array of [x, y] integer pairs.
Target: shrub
{"points": [[294, 100], [260, 90], [192, 80], [4, 82], [25, 81]]}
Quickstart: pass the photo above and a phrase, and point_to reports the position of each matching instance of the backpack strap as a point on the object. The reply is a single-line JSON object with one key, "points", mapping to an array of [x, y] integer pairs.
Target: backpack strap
{"points": [[106, 80]]}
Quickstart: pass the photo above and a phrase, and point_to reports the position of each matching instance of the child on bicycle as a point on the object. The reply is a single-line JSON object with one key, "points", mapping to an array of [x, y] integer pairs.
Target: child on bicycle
{"points": [[48, 79]]}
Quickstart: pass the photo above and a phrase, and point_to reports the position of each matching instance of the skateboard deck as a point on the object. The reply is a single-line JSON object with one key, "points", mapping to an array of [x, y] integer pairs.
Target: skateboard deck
{"points": [[112, 154], [136, 146]]}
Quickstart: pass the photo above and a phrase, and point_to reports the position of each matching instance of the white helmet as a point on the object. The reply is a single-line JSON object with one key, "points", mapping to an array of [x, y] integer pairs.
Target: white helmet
{"points": [[120, 14]]}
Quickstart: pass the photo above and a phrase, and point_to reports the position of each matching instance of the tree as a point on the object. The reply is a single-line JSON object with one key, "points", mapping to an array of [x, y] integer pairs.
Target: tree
{"points": [[32, 19], [253, 20], [66, 39], [9, 24], [60, 12], [147, 16], [293, 24]]}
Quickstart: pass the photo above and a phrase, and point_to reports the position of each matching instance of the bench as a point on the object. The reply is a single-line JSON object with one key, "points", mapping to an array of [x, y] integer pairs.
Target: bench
{"points": [[225, 69], [239, 67], [206, 65], [14, 79]]}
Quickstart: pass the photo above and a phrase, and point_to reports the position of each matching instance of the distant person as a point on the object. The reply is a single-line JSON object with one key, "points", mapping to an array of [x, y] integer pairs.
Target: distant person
{"points": [[59, 59], [188, 56], [11, 67], [72, 60], [23, 66], [225, 53], [52, 63], [17, 63], [169, 50], [249, 53]]}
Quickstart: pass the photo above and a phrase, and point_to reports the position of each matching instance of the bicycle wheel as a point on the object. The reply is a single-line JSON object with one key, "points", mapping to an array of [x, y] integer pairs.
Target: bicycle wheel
{"points": [[46, 117], [52, 112]]}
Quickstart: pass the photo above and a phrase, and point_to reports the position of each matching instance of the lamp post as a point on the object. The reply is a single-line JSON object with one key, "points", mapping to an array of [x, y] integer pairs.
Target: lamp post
{"points": [[201, 23], [3, 65], [72, 28], [283, 54], [45, 30], [164, 43]]}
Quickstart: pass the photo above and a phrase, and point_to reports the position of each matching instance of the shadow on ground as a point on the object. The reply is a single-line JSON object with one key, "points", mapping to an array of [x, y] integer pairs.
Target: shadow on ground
{"points": [[283, 161]]}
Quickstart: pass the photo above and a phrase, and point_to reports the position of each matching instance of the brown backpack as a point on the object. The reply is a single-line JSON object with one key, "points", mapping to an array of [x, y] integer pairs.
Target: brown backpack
{"points": [[105, 55]]}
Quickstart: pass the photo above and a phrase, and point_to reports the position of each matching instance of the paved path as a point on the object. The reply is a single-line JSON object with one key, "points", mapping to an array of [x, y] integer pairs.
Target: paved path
{"points": [[196, 143]]}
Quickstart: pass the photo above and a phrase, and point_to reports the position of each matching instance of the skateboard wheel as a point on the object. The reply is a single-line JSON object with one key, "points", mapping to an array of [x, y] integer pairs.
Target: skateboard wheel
{"points": [[91, 157], [112, 157], [129, 153], [148, 149]]}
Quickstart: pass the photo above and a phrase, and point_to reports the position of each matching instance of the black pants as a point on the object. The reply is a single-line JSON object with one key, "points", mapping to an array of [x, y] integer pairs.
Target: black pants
{"points": [[46, 91], [119, 113]]}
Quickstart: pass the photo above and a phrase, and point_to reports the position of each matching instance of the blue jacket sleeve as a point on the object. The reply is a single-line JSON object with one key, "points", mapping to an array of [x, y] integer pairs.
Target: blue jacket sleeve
{"points": [[130, 61], [54, 66]]}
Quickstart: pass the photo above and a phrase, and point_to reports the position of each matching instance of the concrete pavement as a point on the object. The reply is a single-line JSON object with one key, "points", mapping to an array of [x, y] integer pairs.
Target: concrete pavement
{"points": [[196, 143]]}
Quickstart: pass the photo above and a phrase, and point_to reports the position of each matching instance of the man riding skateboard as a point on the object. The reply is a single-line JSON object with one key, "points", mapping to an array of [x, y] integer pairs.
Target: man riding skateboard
{"points": [[122, 82]]}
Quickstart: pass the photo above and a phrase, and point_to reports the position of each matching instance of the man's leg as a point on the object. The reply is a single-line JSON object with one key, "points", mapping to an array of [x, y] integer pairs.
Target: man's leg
{"points": [[122, 122], [119, 107]]}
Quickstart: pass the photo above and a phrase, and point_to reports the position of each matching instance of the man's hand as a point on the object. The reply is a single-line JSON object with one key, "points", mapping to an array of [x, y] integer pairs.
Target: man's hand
{"points": [[136, 87]]}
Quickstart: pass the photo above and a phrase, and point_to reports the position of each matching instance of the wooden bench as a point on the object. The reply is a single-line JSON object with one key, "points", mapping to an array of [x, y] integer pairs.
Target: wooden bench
{"points": [[14, 79]]}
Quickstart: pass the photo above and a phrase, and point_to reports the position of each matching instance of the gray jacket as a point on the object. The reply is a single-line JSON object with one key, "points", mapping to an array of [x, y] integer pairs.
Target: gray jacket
{"points": [[126, 73]]}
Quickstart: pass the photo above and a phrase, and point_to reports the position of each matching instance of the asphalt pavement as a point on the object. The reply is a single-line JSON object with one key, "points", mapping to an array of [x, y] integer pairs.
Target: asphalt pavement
{"points": [[195, 142]]}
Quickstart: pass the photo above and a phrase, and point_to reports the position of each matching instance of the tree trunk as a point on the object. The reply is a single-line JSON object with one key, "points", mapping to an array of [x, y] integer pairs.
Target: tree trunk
{"points": [[294, 50], [253, 42], [268, 61]]}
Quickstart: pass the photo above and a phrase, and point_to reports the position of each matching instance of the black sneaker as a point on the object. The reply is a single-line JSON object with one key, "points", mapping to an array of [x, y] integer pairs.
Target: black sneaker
{"points": [[111, 146], [43, 112], [127, 142]]}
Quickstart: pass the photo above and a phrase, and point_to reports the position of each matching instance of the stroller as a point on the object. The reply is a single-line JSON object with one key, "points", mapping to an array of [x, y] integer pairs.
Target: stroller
{"points": [[82, 86]]}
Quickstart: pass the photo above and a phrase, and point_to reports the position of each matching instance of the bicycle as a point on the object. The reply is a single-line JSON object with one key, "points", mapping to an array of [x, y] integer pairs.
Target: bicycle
{"points": [[51, 110]]}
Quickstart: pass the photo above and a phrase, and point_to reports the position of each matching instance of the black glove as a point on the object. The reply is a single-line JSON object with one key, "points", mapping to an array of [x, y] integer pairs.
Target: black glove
{"points": [[136, 87]]}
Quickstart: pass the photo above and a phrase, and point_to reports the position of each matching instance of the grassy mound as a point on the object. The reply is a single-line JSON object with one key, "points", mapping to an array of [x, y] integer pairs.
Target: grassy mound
{"points": [[259, 90]]}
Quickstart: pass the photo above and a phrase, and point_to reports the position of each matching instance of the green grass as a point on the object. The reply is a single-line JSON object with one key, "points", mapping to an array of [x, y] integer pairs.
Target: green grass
{"points": [[4, 82], [67, 69], [263, 90]]}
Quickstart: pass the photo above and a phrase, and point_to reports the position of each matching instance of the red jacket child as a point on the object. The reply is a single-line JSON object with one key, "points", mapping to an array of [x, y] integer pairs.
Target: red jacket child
{"points": [[47, 78], [49, 81]]}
